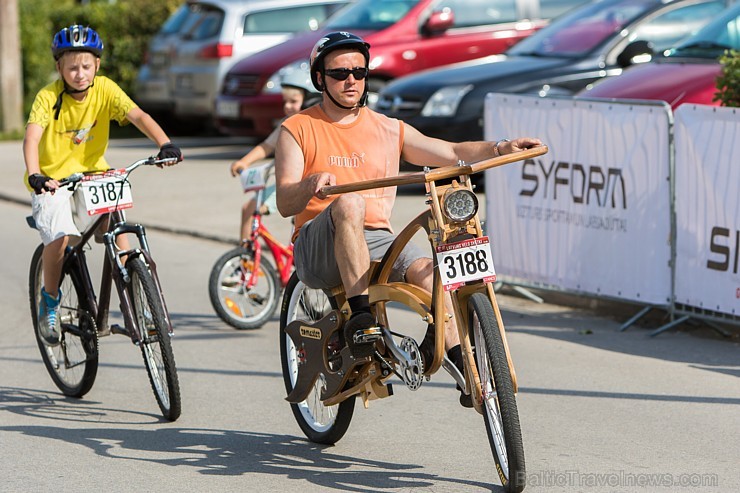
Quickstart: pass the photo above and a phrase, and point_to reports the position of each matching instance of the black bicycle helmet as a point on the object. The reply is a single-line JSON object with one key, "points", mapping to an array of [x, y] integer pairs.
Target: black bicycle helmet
{"points": [[335, 41], [76, 38]]}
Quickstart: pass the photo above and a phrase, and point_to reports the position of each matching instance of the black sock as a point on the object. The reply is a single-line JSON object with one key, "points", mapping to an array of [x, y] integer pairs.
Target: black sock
{"points": [[359, 304], [455, 355]]}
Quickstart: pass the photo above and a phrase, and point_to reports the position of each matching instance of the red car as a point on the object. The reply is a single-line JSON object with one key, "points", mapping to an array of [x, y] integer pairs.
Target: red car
{"points": [[405, 36], [687, 74]]}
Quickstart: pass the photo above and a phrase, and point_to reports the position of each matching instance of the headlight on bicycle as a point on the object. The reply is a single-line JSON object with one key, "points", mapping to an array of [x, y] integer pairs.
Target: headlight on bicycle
{"points": [[459, 205]]}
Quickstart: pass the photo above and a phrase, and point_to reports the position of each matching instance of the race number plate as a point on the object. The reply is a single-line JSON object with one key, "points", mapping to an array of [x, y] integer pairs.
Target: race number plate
{"points": [[106, 192], [465, 261], [253, 178]]}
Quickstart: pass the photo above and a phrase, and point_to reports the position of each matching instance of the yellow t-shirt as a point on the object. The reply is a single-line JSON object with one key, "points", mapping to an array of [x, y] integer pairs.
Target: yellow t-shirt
{"points": [[77, 141], [368, 148]]}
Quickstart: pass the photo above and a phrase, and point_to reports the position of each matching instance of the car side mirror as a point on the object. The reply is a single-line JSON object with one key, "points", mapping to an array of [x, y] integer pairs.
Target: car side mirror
{"points": [[636, 52], [439, 21]]}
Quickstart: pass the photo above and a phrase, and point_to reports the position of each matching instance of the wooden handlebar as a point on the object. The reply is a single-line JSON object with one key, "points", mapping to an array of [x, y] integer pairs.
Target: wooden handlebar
{"points": [[436, 173]]}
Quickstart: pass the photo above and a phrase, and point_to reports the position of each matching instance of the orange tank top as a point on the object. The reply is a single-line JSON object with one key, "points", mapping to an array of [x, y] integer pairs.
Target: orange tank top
{"points": [[368, 148]]}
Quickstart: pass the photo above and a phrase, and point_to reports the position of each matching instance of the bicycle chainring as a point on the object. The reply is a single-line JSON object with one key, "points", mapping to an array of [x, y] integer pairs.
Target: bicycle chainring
{"points": [[411, 370]]}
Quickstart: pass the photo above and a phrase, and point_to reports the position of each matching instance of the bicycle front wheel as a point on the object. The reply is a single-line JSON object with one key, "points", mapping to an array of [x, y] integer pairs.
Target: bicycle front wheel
{"points": [[320, 423], [499, 401], [73, 363], [153, 330], [236, 305]]}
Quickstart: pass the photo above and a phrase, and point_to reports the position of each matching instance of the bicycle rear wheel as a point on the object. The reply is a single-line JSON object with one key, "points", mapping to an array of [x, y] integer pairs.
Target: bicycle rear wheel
{"points": [[153, 330], [320, 423], [499, 406], [232, 302], [73, 363]]}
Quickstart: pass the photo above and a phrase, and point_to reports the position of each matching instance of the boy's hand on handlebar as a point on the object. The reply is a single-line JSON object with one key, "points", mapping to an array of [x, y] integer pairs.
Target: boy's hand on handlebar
{"points": [[517, 145], [170, 151], [321, 180], [237, 168], [42, 183]]}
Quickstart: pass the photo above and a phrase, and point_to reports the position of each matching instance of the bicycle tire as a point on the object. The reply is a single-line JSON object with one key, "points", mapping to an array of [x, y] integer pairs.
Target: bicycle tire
{"points": [[73, 363], [238, 308], [153, 331], [321, 424], [500, 410]]}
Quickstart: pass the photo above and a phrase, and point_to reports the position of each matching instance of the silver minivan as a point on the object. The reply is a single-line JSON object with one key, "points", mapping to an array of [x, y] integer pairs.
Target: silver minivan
{"points": [[218, 33]]}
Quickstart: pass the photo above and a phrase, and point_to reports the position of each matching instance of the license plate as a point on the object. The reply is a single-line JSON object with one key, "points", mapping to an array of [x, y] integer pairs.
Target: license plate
{"points": [[184, 81], [227, 109], [465, 261], [106, 192]]}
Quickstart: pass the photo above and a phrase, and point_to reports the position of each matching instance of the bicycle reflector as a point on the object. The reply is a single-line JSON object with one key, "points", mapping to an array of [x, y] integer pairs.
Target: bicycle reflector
{"points": [[459, 205]]}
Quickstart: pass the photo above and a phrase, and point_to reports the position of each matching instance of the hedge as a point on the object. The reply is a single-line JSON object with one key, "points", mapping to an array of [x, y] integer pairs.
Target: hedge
{"points": [[125, 27], [728, 83]]}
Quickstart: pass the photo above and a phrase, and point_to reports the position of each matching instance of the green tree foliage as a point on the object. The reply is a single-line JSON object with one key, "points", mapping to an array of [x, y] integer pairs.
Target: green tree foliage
{"points": [[728, 83], [125, 27]]}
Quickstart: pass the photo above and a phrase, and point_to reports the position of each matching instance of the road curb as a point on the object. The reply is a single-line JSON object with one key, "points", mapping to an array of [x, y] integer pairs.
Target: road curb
{"points": [[154, 227]]}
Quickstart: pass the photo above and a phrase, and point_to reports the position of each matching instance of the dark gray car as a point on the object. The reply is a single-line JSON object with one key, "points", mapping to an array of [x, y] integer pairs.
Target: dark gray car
{"points": [[589, 43]]}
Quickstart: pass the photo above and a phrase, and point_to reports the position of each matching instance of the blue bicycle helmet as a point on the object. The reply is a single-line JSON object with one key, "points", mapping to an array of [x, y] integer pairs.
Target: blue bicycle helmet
{"points": [[76, 38]]}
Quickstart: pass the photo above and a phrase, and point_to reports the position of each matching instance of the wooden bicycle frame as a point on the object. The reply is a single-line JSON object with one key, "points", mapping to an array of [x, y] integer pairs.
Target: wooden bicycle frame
{"points": [[430, 306]]}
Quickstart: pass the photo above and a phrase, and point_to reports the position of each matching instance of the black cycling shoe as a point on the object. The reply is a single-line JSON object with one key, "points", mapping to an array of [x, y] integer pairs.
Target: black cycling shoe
{"points": [[426, 348], [360, 333], [466, 400]]}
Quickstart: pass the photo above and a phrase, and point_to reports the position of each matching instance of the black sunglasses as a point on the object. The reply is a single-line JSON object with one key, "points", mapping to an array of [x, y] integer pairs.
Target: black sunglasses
{"points": [[342, 73]]}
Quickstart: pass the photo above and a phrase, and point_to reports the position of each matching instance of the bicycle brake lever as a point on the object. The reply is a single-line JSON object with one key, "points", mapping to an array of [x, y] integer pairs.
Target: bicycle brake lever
{"points": [[71, 179]]}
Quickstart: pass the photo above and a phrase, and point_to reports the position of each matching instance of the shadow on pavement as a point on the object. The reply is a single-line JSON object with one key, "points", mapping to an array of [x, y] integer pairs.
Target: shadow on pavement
{"points": [[213, 451]]}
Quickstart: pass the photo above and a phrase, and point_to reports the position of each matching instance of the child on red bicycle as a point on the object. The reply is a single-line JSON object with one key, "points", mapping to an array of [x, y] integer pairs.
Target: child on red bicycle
{"points": [[298, 93], [67, 132]]}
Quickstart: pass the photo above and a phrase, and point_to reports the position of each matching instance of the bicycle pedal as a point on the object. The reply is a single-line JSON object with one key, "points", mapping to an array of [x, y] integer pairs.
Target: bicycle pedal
{"points": [[117, 329], [367, 336]]}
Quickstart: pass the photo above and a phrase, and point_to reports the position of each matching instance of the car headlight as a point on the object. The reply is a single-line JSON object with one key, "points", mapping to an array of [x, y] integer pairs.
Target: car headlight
{"points": [[459, 205], [272, 86], [445, 101]]}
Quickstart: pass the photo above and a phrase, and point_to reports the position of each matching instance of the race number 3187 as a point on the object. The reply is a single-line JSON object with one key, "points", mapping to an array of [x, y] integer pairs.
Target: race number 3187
{"points": [[465, 261]]}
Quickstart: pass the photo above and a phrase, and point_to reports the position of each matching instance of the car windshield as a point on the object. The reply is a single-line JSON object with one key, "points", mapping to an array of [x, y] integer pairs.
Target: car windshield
{"points": [[204, 22], [580, 31], [721, 34], [173, 24], [371, 15]]}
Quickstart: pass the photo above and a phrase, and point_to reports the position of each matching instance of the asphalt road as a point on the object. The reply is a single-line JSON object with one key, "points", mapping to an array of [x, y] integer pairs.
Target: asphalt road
{"points": [[601, 410]]}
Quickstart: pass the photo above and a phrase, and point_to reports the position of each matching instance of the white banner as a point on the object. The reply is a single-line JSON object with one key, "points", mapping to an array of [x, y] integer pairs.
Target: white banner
{"points": [[708, 208], [592, 215]]}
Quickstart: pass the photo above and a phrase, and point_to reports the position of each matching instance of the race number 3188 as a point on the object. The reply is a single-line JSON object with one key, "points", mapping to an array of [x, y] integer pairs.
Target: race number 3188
{"points": [[465, 261]]}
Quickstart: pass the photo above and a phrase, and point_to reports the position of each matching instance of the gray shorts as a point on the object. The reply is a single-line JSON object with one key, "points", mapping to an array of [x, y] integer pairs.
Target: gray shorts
{"points": [[316, 264]]}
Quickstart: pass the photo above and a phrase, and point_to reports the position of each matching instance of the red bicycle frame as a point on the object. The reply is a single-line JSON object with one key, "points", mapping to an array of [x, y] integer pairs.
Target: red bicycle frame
{"points": [[283, 255]]}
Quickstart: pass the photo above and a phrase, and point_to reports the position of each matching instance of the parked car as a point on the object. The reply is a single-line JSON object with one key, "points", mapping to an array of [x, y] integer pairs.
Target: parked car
{"points": [[405, 36], [686, 74], [151, 90], [211, 35], [594, 41]]}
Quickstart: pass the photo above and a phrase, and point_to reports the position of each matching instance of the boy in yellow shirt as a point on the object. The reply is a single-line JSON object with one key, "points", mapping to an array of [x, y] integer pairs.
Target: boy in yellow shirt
{"points": [[68, 132]]}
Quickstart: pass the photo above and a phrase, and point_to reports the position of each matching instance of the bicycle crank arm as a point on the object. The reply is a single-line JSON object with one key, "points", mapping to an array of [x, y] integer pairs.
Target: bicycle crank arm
{"points": [[399, 354], [450, 368], [410, 364]]}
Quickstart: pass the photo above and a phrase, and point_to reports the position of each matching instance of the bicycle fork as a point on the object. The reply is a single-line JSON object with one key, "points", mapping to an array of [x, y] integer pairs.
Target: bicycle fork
{"points": [[123, 278]]}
